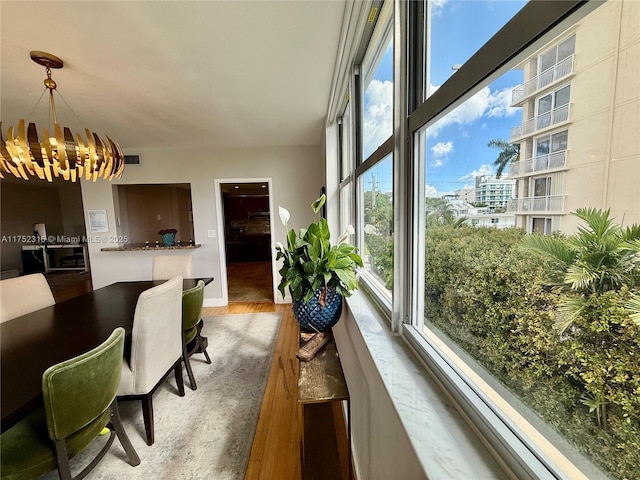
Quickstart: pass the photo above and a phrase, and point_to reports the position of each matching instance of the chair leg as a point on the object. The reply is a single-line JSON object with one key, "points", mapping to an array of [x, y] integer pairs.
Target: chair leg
{"points": [[177, 368], [201, 346], [204, 350], [147, 414], [187, 364], [134, 459], [62, 457]]}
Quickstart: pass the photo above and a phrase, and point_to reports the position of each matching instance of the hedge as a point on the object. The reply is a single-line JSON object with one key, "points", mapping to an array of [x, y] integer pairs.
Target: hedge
{"points": [[492, 299]]}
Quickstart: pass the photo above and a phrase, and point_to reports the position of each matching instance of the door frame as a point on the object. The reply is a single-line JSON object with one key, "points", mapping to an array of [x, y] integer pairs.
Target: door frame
{"points": [[221, 237]]}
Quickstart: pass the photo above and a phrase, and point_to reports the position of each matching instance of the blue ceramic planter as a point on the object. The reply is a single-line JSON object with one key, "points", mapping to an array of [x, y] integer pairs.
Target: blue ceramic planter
{"points": [[168, 239], [312, 317]]}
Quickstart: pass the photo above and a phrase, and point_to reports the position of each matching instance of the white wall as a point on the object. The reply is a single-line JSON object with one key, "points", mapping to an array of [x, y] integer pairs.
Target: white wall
{"points": [[381, 448], [297, 174]]}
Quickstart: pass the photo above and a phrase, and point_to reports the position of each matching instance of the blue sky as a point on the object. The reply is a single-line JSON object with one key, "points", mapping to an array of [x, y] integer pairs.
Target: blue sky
{"points": [[457, 144]]}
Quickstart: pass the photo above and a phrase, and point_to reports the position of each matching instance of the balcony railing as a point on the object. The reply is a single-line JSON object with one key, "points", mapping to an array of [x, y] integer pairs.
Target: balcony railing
{"points": [[550, 75], [560, 114], [551, 161], [551, 203]]}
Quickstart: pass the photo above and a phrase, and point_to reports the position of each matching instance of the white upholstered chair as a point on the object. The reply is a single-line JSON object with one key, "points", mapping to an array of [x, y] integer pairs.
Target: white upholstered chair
{"points": [[156, 347], [22, 295], [168, 266]]}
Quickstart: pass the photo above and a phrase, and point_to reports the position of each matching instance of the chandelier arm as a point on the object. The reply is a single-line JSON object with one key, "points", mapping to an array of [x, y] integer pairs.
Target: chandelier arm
{"points": [[23, 146], [36, 151]]}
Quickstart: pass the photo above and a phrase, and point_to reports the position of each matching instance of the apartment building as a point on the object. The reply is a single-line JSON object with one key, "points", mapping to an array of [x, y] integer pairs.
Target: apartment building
{"points": [[494, 192], [579, 144]]}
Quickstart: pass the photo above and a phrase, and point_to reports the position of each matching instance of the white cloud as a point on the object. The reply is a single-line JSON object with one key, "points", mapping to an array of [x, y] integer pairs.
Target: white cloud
{"points": [[437, 6], [484, 169], [437, 163], [485, 103], [442, 149], [378, 118], [430, 191], [500, 104]]}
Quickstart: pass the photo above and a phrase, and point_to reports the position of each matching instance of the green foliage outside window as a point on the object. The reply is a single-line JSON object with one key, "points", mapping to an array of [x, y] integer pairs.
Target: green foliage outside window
{"points": [[378, 235], [497, 301]]}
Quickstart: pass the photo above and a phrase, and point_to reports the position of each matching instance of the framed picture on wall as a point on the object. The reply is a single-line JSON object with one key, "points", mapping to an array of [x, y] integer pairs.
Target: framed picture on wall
{"points": [[98, 221]]}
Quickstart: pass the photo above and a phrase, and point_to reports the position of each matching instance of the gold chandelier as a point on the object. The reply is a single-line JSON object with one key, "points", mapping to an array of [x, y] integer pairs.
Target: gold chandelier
{"points": [[24, 156]]}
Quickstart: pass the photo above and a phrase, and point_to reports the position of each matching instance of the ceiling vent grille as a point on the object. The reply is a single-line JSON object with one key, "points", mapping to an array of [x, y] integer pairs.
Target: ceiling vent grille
{"points": [[132, 159]]}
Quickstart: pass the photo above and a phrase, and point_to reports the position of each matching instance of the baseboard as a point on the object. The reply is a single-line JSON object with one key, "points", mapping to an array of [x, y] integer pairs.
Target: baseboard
{"points": [[214, 302]]}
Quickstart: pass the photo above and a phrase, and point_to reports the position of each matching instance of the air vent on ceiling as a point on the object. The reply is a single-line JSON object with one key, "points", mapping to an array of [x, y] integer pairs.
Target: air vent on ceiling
{"points": [[132, 159]]}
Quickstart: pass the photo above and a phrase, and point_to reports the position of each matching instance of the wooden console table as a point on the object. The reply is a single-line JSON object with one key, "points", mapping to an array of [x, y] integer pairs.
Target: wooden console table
{"points": [[321, 380]]}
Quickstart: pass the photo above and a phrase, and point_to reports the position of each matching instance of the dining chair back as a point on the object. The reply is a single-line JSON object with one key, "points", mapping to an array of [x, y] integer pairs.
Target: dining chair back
{"points": [[79, 401], [168, 266], [156, 347], [192, 323], [22, 295]]}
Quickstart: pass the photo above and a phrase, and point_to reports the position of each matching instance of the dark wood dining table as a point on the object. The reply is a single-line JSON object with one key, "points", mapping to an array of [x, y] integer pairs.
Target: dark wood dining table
{"points": [[31, 343]]}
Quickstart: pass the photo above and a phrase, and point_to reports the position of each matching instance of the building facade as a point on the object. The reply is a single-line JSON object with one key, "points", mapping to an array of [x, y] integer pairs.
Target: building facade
{"points": [[579, 136], [494, 193]]}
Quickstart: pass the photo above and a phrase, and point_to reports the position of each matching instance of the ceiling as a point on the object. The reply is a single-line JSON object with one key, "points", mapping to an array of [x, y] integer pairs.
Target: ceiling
{"points": [[174, 73]]}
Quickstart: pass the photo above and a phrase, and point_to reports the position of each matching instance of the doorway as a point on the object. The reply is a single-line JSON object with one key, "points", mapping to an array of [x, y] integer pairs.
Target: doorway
{"points": [[247, 241]]}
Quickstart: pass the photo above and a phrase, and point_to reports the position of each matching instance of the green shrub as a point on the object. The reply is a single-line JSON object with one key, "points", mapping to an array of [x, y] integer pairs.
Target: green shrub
{"points": [[493, 299]]}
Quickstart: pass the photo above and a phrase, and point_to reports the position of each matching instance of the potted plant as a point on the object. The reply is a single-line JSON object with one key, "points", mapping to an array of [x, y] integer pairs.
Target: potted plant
{"points": [[317, 274]]}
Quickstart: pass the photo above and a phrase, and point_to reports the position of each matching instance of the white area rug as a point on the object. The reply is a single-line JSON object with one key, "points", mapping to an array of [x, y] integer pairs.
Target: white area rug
{"points": [[208, 433]]}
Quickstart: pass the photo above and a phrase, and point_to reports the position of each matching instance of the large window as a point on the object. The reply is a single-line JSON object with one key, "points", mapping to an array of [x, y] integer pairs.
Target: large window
{"points": [[551, 389], [486, 295]]}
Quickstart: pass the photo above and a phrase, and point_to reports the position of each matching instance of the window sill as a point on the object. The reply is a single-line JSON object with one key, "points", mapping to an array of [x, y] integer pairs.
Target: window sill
{"points": [[444, 444]]}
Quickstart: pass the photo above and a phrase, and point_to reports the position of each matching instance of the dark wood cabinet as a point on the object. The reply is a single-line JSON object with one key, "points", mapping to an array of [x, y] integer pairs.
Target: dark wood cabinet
{"points": [[248, 248], [247, 237], [245, 207]]}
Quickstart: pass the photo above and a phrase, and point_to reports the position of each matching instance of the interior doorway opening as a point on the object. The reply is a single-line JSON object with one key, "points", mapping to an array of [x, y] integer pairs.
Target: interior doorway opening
{"points": [[247, 240]]}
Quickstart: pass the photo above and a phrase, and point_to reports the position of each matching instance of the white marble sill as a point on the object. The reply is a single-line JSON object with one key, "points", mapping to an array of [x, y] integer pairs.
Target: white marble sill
{"points": [[443, 441]]}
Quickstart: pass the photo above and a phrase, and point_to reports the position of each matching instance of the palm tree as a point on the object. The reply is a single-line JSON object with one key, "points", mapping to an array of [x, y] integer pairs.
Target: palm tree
{"points": [[509, 152], [602, 256]]}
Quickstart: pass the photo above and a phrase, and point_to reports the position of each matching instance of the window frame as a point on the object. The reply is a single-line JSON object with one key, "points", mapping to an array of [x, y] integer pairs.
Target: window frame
{"points": [[371, 51], [532, 27]]}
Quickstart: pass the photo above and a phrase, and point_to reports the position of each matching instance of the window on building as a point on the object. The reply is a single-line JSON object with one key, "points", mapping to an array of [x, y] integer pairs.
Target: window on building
{"points": [[541, 187], [552, 107], [550, 151], [541, 225], [557, 53]]}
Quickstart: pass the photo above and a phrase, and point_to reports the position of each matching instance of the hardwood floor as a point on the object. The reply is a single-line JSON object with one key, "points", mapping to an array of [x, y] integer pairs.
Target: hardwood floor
{"points": [[276, 446], [275, 453]]}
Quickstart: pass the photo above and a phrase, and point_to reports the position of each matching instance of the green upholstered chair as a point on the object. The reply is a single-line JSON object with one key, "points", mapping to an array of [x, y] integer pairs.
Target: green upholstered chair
{"points": [[79, 401], [156, 349], [192, 341]]}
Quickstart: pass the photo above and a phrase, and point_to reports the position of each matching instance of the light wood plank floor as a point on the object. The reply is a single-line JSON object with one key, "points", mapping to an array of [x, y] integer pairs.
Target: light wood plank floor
{"points": [[276, 447]]}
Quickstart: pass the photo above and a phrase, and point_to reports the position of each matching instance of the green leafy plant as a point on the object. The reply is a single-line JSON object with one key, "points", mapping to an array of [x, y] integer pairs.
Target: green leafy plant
{"points": [[602, 256], [311, 263]]}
